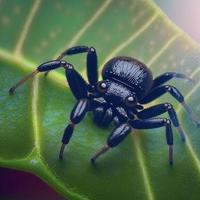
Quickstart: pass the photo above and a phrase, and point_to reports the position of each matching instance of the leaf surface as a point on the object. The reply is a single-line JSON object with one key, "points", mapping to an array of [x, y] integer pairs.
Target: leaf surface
{"points": [[32, 121]]}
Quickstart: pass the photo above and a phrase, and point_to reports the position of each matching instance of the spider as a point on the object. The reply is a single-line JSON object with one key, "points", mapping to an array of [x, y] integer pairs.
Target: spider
{"points": [[120, 97]]}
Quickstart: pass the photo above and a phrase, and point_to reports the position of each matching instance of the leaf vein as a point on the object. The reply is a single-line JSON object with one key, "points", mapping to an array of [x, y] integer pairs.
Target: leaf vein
{"points": [[163, 49], [141, 160], [132, 37], [26, 27], [22, 63], [86, 26], [34, 106]]}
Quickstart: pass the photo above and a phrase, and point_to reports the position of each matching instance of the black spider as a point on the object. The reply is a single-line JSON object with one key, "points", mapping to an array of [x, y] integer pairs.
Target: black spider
{"points": [[127, 84]]}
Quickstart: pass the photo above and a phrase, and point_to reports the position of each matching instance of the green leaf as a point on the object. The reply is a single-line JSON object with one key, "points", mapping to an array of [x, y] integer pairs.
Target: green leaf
{"points": [[32, 121]]}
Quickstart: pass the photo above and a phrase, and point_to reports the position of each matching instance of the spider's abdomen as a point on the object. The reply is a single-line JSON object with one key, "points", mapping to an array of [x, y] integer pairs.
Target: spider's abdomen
{"points": [[130, 72]]}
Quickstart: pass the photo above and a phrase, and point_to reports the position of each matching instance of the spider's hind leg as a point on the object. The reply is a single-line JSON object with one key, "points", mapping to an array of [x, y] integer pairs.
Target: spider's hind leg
{"points": [[161, 109], [156, 123], [173, 91], [163, 78]]}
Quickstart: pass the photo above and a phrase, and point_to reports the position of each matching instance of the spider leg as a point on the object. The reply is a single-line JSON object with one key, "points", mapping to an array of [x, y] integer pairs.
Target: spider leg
{"points": [[77, 115], [163, 78], [158, 91], [77, 84], [156, 123], [92, 71], [116, 137], [160, 109], [119, 134], [50, 65]]}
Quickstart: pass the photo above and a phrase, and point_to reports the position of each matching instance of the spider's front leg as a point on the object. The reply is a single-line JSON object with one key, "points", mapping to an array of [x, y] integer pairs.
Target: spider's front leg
{"points": [[92, 72], [77, 115], [77, 84], [116, 137], [50, 65]]}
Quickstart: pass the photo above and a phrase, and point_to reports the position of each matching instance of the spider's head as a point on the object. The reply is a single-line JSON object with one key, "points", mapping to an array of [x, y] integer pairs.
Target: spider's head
{"points": [[116, 93]]}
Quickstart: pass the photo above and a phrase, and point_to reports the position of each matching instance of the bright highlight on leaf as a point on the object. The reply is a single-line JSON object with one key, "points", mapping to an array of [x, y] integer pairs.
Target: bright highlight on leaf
{"points": [[32, 121]]}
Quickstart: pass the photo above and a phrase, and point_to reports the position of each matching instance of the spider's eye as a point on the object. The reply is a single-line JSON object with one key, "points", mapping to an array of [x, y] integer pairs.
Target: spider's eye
{"points": [[102, 86], [130, 101]]}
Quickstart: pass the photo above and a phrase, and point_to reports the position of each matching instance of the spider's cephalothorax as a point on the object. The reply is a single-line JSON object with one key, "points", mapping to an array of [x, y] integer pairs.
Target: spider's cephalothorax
{"points": [[127, 80], [127, 85]]}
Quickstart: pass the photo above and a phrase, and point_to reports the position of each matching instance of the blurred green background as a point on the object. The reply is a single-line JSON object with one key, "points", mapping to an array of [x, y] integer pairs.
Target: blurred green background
{"points": [[186, 14]]}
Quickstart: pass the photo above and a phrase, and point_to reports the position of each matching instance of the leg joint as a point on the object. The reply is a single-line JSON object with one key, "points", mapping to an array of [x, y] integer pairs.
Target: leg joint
{"points": [[168, 106], [67, 65], [167, 122], [168, 88], [92, 49]]}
